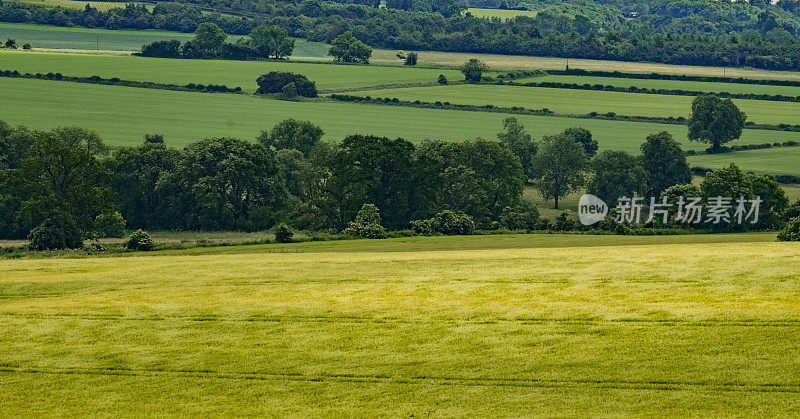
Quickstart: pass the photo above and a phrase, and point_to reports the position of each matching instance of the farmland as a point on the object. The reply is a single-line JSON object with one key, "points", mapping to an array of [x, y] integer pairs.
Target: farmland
{"points": [[90, 39], [774, 161], [74, 4], [493, 325], [569, 101], [122, 116], [230, 73]]}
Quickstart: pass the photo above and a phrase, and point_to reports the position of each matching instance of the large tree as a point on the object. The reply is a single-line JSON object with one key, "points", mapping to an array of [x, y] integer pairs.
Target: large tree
{"points": [[473, 70], [348, 49], [209, 39], [271, 42], [715, 121], [292, 134], [516, 139], [616, 174], [664, 162], [560, 166]]}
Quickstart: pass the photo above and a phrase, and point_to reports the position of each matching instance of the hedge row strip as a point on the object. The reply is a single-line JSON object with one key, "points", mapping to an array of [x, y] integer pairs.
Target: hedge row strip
{"points": [[115, 81]]}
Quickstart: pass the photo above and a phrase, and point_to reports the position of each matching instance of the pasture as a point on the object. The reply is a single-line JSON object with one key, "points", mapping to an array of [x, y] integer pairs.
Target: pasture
{"points": [[228, 72], [573, 101], [784, 160], [499, 13], [73, 4], [509, 325], [122, 115], [91, 39], [669, 84]]}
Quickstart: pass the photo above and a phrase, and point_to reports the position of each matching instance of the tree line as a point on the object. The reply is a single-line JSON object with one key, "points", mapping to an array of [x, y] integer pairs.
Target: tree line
{"points": [[716, 34]]}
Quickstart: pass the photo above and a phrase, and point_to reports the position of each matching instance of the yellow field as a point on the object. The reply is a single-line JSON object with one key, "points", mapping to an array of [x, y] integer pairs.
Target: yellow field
{"points": [[479, 325]]}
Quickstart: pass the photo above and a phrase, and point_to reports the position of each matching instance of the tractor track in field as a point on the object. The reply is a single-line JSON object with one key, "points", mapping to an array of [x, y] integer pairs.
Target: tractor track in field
{"points": [[535, 321], [663, 385]]}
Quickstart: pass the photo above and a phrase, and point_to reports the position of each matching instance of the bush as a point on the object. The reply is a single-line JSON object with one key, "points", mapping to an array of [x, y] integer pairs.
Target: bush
{"points": [[452, 223], [565, 222], [53, 234], [411, 59], [26, 45], [289, 91], [792, 231], [423, 227], [442, 79], [110, 225], [274, 82], [283, 234], [140, 241], [367, 224], [522, 218]]}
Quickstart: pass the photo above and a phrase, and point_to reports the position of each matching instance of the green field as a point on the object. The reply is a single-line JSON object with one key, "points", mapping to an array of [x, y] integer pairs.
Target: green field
{"points": [[73, 4], [122, 115], [571, 101], [784, 160], [499, 13], [228, 72], [669, 84], [531, 325], [56, 37]]}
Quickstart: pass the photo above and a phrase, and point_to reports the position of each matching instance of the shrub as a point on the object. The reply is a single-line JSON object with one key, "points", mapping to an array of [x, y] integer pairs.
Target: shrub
{"points": [[411, 59], [283, 234], [451, 223], [565, 222], [423, 227], [791, 233], [289, 91], [274, 82], [367, 224], [521, 218], [140, 241], [58, 233], [110, 225], [26, 45], [442, 79]]}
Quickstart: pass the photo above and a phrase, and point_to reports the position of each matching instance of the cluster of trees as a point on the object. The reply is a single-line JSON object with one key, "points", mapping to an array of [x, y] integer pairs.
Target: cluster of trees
{"points": [[290, 85], [669, 31], [264, 41]]}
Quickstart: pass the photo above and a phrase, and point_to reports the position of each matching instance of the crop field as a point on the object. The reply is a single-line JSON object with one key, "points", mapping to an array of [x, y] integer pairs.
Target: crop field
{"points": [[499, 13], [571, 101], [228, 72], [520, 62], [122, 115], [669, 84], [482, 325], [784, 160], [91, 39]]}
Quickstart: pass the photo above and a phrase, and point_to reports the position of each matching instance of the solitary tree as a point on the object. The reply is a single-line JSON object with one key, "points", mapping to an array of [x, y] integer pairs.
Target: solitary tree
{"points": [[715, 121], [411, 59], [473, 70], [11, 43], [560, 165], [271, 41], [664, 162], [347, 48]]}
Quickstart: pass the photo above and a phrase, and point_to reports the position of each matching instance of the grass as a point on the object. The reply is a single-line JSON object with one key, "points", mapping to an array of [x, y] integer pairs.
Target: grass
{"points": [[784, 160], [670, 84], [500, 14], [551, 325], [519, 62], [122, 116], [230, 73], [91, 39], [569, 101]]}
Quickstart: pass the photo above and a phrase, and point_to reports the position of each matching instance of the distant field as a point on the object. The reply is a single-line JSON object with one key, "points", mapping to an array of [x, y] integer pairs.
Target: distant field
{"points": [[516, 325], [228, 72], [784, 160], [123, 115], [670, 84], [71, 4], [502, 14], [519, 62], [56, 37], [571, 101]]}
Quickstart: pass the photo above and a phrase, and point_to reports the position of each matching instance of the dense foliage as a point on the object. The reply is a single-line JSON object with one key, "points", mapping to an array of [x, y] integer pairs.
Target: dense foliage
{"points": [[699, 32], [276, 82]]}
